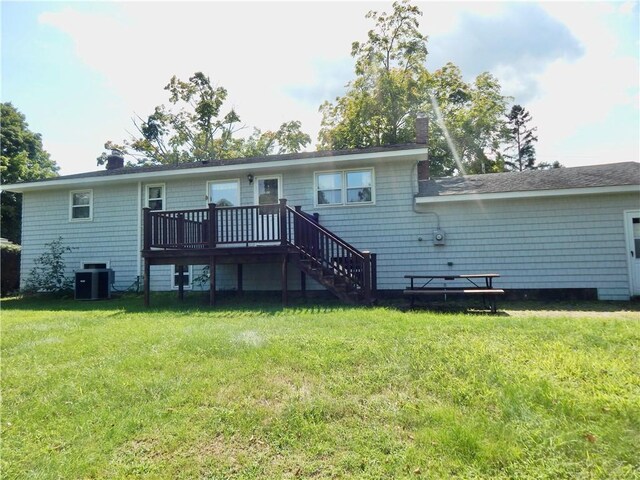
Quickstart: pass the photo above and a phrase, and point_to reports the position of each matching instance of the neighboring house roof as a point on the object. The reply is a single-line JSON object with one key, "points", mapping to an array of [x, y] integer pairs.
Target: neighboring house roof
{"points": [[617, 176], [326, 157]]}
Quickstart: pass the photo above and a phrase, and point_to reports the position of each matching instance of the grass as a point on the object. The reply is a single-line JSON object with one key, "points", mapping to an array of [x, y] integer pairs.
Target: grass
{"points": [[110, 390]]}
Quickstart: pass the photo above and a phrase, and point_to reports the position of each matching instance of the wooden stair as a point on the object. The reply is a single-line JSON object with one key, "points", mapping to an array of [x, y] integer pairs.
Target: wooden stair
{"points": [[348, 273], [333, 281]]}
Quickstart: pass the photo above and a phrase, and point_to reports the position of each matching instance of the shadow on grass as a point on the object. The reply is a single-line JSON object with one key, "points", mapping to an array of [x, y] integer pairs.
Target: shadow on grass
{"points": [[270, 303], [168, 302]]}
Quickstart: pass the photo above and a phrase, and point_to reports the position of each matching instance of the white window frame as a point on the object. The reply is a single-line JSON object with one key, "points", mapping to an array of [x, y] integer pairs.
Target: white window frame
{"points": [[163, 198], [256, 194], [174, 272], [84, 263], [344, 202], [228, 180], [71, 205]]}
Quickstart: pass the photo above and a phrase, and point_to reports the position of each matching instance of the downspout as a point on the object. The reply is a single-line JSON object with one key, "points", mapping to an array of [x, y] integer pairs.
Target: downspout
{"points": [[139, 237]]}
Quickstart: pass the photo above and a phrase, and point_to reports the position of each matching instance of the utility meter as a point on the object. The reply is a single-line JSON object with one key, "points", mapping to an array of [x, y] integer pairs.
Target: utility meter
{"points": [[438, 237]]}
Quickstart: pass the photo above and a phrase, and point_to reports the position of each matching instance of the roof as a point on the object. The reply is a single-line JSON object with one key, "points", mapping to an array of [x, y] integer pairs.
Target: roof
{"points": [[589, 177], [204, 167]]}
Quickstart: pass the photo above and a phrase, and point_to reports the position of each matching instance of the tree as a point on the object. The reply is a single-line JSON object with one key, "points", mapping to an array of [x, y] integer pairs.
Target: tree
{"points": [[22, 159], [520, 141], [194, 127], [381, 104], [466, 122], [393, 86]]}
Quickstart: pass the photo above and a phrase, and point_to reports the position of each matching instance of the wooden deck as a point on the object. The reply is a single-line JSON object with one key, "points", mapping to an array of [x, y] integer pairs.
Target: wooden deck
{"points": [[273, 233]]}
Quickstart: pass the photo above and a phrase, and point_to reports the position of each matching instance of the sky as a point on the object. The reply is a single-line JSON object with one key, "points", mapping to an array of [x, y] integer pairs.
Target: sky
{"points": [[81, 71]]}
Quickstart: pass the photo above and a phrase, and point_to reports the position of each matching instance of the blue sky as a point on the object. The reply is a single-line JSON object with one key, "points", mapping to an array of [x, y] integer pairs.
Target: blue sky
{"points": [[80, 71]]}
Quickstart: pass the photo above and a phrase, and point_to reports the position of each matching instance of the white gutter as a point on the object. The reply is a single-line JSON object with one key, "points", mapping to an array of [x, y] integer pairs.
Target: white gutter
{"points": [[561, 192], [413, 154]]}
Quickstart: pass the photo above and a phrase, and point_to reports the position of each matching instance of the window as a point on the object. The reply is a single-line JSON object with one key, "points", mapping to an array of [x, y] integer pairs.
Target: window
{"points": [[155, 197], [225, 193], [267, 190], [175, 277], [80, 205], [347, 187]]}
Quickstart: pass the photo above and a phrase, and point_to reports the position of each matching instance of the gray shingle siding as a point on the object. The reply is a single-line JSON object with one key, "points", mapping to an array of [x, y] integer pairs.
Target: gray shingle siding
{"points": [[110, 236], [561, 242], [540, 243]]}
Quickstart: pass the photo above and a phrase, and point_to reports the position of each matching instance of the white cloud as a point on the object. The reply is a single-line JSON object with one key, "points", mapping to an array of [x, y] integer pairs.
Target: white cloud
{"points": [[579, 96], [275, 59]]}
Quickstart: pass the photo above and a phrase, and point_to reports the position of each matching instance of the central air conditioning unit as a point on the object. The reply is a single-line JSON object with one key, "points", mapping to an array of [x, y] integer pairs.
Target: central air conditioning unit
{"points": [[94, 283]]}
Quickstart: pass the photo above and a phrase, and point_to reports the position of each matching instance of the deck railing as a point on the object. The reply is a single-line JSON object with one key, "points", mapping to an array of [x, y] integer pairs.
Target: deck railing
{"points": [[215, 226], [255, 225]]}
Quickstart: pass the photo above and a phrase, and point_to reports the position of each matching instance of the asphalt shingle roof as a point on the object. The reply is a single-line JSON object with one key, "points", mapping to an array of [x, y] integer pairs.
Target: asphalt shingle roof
{"points": [[235, 161], [608, 175]]}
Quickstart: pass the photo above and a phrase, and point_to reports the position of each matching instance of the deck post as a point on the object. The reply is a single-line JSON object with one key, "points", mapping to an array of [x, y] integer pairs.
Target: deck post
{"points": [[213, 231], [180, 230], [303, 284], [283, 221], [374, 273], [284, 280], [297, 240], [212, 281], [366, 287], [146, 228], [180, 282], [240, 286], [147, 281]]}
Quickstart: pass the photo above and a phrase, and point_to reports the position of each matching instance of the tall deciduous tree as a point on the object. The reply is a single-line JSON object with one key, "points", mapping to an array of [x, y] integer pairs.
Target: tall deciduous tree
{"points": [[467, 122], [194, 127], [521, 151], [392, 86], [22, 159], [382, 102]]}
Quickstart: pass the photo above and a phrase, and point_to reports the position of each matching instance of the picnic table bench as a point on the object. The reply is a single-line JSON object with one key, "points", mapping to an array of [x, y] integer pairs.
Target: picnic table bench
{"points": [[469, 284]]}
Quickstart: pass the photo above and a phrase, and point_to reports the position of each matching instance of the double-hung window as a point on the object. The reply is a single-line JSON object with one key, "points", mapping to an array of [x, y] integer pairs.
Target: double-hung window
{"points": [[81, 205], [155, 196], [346, 187]]}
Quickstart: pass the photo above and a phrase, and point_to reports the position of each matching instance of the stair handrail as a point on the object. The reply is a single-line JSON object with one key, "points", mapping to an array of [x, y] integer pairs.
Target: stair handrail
{"points": [[362, 277], [326, 231]]}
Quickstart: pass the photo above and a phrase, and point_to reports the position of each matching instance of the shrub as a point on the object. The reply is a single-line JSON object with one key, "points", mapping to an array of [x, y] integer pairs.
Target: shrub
{"points": [[10, 261], [47, 276]]}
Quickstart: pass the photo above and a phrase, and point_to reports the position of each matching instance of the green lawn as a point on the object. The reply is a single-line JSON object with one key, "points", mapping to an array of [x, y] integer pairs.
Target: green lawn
{"points": [[109, 390]]}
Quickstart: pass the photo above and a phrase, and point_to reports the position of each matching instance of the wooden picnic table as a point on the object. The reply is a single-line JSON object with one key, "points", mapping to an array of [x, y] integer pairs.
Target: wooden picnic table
{"points": [[464, 284]]}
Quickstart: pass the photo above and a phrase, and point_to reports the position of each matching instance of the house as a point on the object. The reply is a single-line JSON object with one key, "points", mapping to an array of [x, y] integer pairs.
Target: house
{"points": [[354, 222]]}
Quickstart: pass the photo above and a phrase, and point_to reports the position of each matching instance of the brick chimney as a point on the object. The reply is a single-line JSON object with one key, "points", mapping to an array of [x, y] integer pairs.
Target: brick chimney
{"points": [[115, 160], [422, 130], [422, 136]]}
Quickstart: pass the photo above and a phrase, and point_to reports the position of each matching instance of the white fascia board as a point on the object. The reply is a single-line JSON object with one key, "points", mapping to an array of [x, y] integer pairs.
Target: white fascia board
{"points": [[475, 197], [375, 157]]}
